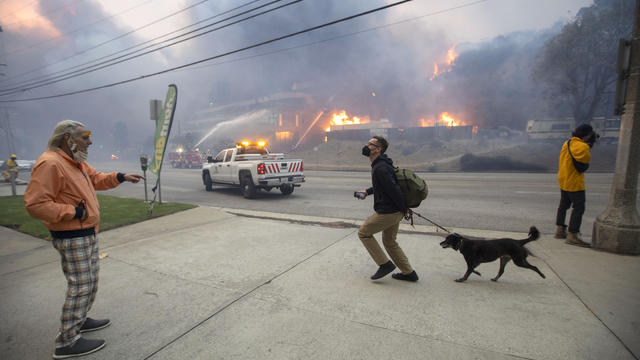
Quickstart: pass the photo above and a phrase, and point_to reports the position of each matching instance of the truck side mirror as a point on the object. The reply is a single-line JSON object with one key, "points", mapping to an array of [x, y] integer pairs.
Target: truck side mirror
{"points": [[209, 159]]}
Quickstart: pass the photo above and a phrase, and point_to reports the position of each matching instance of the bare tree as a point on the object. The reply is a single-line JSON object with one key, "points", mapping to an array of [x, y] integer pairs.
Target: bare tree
{"points": [[578, 64]]}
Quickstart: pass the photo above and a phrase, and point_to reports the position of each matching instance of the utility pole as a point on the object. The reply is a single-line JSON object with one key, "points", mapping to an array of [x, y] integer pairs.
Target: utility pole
{"points": [[5, 125], [5, 121], [617, 229]]}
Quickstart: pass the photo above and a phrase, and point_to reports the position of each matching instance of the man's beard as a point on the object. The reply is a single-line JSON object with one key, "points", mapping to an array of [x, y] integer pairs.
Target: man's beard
{"points": [[80, 156]]}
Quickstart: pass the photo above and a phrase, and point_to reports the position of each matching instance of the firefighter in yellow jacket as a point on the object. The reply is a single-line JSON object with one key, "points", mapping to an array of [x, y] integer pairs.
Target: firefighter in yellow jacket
{"points": [[573, 162], [12, 168]]}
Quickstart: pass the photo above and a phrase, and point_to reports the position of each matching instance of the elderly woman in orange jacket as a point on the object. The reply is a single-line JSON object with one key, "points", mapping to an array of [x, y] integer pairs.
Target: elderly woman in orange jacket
{"points": [[62, 193], [573, 162]]}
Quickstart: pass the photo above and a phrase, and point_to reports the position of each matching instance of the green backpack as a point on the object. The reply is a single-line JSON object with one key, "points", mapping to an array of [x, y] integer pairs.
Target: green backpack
{"points": [[413, 187]]}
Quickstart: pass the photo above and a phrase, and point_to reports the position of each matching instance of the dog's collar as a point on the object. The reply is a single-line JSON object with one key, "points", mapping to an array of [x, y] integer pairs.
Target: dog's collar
{"points": [[461, 242]]}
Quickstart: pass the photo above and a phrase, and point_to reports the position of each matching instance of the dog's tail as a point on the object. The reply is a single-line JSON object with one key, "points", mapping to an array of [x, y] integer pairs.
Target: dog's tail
{"points": [[534, 234]]}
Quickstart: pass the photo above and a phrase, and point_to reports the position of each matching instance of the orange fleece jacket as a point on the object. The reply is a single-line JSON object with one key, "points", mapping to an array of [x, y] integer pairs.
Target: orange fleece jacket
{"points": [[59, 184]]}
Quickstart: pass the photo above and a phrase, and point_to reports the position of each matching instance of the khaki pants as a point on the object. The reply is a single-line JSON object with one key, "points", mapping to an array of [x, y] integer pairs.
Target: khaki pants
{"points": [[388, 224]]}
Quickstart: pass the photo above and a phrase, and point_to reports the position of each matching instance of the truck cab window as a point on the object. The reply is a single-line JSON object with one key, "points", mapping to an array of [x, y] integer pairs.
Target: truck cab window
{"points": [[228, 156], [220, 156]]}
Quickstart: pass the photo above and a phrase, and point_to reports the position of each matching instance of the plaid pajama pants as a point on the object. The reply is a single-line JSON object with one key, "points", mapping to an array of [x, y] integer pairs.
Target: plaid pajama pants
{"points": [[79, 258]]}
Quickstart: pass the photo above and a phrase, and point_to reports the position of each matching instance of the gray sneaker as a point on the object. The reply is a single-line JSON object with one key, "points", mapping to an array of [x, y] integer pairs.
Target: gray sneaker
{"points": [[412, 276], [79, 348], [93, 324], [383, 270]]}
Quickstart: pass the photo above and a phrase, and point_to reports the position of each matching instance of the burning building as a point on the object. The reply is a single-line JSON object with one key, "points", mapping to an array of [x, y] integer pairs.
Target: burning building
{"points": [[343, 127], [446, 127]]}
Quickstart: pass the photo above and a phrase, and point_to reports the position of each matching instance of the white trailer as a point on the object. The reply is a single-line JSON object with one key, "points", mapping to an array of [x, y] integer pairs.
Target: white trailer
{"points": [[550, 129], [561, 128]]}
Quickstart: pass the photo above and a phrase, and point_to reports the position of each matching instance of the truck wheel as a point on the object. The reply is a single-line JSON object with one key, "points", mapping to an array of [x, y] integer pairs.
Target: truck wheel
{"points": [[286, 189], [247, 187], [208, 184]]}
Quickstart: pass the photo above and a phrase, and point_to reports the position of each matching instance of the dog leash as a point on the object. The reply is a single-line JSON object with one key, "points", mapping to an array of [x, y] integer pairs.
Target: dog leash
{"points": [[410, 217]]}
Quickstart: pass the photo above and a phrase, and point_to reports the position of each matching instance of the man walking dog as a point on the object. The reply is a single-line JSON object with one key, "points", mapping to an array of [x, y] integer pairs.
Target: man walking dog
{"points": [[389, 205], [573, 162], [62, 193]]}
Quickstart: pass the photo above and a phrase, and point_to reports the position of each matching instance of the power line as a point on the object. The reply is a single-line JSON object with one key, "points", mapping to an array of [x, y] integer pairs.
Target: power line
{"points": [[111, 62], [337, 37], [216, 56], [49, 77], [137, 45], [108, 41], [47, 13], [23, 49]]}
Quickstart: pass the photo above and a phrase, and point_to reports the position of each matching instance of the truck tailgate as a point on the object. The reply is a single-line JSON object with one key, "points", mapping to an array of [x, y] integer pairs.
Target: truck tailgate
{"points": [[283, 167]]}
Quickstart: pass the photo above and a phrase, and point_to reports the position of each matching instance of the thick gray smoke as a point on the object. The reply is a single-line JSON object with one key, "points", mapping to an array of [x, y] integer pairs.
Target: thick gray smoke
{"points": [[488, 83]]}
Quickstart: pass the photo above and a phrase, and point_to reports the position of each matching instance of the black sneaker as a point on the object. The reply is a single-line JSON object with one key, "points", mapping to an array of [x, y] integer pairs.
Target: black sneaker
{"points": [[93, 325], [81, 347], [412, 276], [383, 270]]}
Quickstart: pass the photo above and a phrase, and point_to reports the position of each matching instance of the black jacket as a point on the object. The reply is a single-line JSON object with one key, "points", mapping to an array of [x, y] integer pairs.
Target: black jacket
{"points": [[387, 196]]}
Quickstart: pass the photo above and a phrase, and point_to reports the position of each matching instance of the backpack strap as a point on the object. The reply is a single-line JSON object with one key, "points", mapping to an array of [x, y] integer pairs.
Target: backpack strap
{"points": [[580, 166]]}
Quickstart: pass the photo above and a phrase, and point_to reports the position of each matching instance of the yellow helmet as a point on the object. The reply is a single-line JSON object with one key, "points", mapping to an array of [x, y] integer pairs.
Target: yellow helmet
{"points": [[13, 156]]}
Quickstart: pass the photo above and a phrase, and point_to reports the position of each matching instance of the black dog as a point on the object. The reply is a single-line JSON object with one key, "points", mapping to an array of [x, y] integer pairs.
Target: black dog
{"points": [[476, 252]]}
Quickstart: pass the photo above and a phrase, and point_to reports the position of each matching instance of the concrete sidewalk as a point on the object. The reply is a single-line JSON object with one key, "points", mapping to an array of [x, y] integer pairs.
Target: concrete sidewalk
{"points": [[226, 284]]}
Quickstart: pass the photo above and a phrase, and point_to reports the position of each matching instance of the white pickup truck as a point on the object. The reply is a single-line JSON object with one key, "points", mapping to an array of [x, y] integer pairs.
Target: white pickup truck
{"points": [[251, 167]]}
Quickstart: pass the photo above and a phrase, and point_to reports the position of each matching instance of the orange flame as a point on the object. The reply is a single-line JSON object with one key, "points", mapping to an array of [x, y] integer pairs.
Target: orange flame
{"points": [[342, 118], [448, 120], [451, 57]]}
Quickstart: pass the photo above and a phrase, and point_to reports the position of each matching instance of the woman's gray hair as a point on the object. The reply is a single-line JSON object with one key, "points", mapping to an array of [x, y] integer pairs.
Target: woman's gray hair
{"points": [[62, 128]]}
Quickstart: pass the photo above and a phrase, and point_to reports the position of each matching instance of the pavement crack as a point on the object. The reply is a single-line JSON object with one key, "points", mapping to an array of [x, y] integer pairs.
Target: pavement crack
{"points": [[111, 257], [151, 237], [30, 267], [246, 294], [23, 252]]}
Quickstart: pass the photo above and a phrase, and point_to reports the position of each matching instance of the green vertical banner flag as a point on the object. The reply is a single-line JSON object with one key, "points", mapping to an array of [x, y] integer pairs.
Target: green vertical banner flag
{"points": [[163, 127]]}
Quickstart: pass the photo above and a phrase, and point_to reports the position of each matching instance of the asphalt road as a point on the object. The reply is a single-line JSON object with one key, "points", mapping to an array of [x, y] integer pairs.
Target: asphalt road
{"points": [[487, 201]]}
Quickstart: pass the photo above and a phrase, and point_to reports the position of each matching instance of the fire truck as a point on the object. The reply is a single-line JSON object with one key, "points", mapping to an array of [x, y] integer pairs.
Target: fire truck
{"points": [[251, 167], [185, 159]]}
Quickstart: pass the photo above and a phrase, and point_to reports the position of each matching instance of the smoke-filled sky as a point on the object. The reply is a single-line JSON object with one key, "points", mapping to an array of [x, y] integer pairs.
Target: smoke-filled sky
{"points": [[395, 62]]}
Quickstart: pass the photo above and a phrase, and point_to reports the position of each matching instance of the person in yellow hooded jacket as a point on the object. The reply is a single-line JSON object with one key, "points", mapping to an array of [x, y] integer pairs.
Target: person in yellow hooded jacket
{"points": [[572, 164]]}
